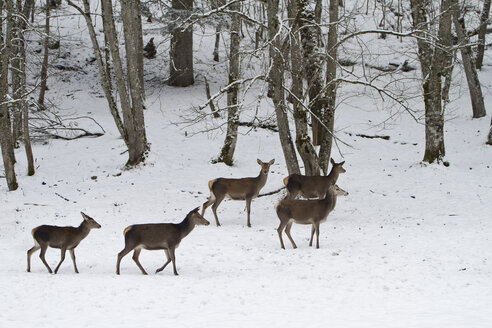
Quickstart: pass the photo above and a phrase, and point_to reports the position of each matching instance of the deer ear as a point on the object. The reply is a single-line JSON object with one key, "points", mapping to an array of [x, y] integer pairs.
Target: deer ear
{"points": [[258, 160], [85, 216], [196, 209], [272, 161], [342, 163], [332, 161]]}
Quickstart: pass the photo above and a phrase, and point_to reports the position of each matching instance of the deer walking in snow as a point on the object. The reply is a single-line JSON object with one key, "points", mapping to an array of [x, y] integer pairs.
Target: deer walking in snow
{"points": [[312, 186], [237, 189], [64, 238], [309, 211], [155, 236]]}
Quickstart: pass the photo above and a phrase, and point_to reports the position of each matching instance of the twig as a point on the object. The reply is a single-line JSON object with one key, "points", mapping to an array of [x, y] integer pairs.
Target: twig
{"points": [[271, 192], [271, 127], [373, 137], [207, 92], [64, 198]]}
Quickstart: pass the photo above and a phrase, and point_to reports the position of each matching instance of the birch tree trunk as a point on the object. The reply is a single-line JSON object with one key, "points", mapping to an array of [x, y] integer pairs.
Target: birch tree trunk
{"points": [[5, 126], [474, 87], [481, 33], [181, 52], [44, 65], [433, 61], [276, 87], [303, 142], [328, 115], [227, 152]]}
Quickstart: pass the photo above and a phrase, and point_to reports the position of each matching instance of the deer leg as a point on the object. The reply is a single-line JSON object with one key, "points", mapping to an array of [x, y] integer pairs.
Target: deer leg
{"points": [[29, 253], [136, 254], [316, 227], [121, 254], [248, 210], [165, 264], [173, 258], [41, 256], [216, 204], [72, 254], [279, 230], [287, 232], [312, 235], [63, 251], [207, 204]]}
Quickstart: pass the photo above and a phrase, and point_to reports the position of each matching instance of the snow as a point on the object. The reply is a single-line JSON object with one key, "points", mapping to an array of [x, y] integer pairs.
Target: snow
{"points": [[409, 247]]}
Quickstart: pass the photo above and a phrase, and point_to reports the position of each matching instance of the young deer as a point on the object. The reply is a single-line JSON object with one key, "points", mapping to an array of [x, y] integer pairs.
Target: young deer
{"points": [[310, 211], [60, 237], [312, 186], [236, 189], [154, 236]]}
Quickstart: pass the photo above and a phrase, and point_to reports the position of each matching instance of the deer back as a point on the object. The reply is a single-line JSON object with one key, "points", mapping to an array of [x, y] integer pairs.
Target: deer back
{"points": [[153, 235], [238, 189]]}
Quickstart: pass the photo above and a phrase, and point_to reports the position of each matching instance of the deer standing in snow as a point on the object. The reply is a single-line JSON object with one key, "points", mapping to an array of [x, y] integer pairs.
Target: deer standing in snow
{"points": [[308, 211], [64, 238], [312, 186], [155, 236], [237, 189]]}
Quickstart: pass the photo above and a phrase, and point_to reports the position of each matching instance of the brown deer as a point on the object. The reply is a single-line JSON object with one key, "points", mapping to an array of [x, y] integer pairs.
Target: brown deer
{"points": [[312, 186], [60, 237], [309, 211], [236, 189], [154, 236]]}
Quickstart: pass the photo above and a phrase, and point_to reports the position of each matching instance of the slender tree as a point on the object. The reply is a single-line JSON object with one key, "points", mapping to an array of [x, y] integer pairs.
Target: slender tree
{"points": [[227, 152], [276, 86], [482, 30], [434, 58], [181, 64], [44, 65], [5, 126]]}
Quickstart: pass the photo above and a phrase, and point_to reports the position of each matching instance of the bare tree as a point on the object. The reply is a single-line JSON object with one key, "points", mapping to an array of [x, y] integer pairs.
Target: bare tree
{"points": [[131, 123], [433, 59], [5, 126], [474, 87], [276, 86], [44, 65], [181, 52], [481, 33], [227, 152]]}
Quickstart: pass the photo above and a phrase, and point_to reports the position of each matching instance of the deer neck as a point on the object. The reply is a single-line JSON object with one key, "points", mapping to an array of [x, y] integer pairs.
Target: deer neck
{"points": [[330, 200], [333, 176], [261, 178], [83, 230], [185, 227]]}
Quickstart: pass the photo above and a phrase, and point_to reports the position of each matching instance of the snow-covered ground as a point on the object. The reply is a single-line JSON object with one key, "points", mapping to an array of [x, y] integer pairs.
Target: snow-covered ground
{"points": [[409, 247]]}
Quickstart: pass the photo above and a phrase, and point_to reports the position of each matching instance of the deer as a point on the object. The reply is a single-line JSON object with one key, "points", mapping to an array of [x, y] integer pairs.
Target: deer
{"points": [[312, 186], [157, 236], [237, 189], [64, 238], [306, 211]]}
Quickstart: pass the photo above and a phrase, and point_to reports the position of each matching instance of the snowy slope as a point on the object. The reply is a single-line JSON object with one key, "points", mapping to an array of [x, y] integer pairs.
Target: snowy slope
{"points": [[409, 247]]}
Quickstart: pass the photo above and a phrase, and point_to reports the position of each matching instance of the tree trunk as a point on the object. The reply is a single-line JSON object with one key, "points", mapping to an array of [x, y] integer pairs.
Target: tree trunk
{"points": [[328, 115], [5, 126], [276, 87], [227, 152], [303, 142], [434, 60], [474, 87], [44, 66], [181, 52], [481, 33], [489, 139], [134, 117]]}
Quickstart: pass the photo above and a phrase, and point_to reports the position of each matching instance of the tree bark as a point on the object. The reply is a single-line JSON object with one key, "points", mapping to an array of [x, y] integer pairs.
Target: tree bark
{"points": [[181, 52], [434, 60], [303, 142], [489, 139], [5, 126], [227, 152], [476, 97], [276, 87], [328, 115], [44, 66], [481, 33]]}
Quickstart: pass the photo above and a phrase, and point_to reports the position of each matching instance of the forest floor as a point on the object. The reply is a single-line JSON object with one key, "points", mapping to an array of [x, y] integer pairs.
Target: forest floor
{"points": [[409, 247]]}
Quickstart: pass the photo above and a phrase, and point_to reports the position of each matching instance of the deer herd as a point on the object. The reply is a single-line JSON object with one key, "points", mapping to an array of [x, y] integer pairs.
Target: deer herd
{"points": [[320, 192]]}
